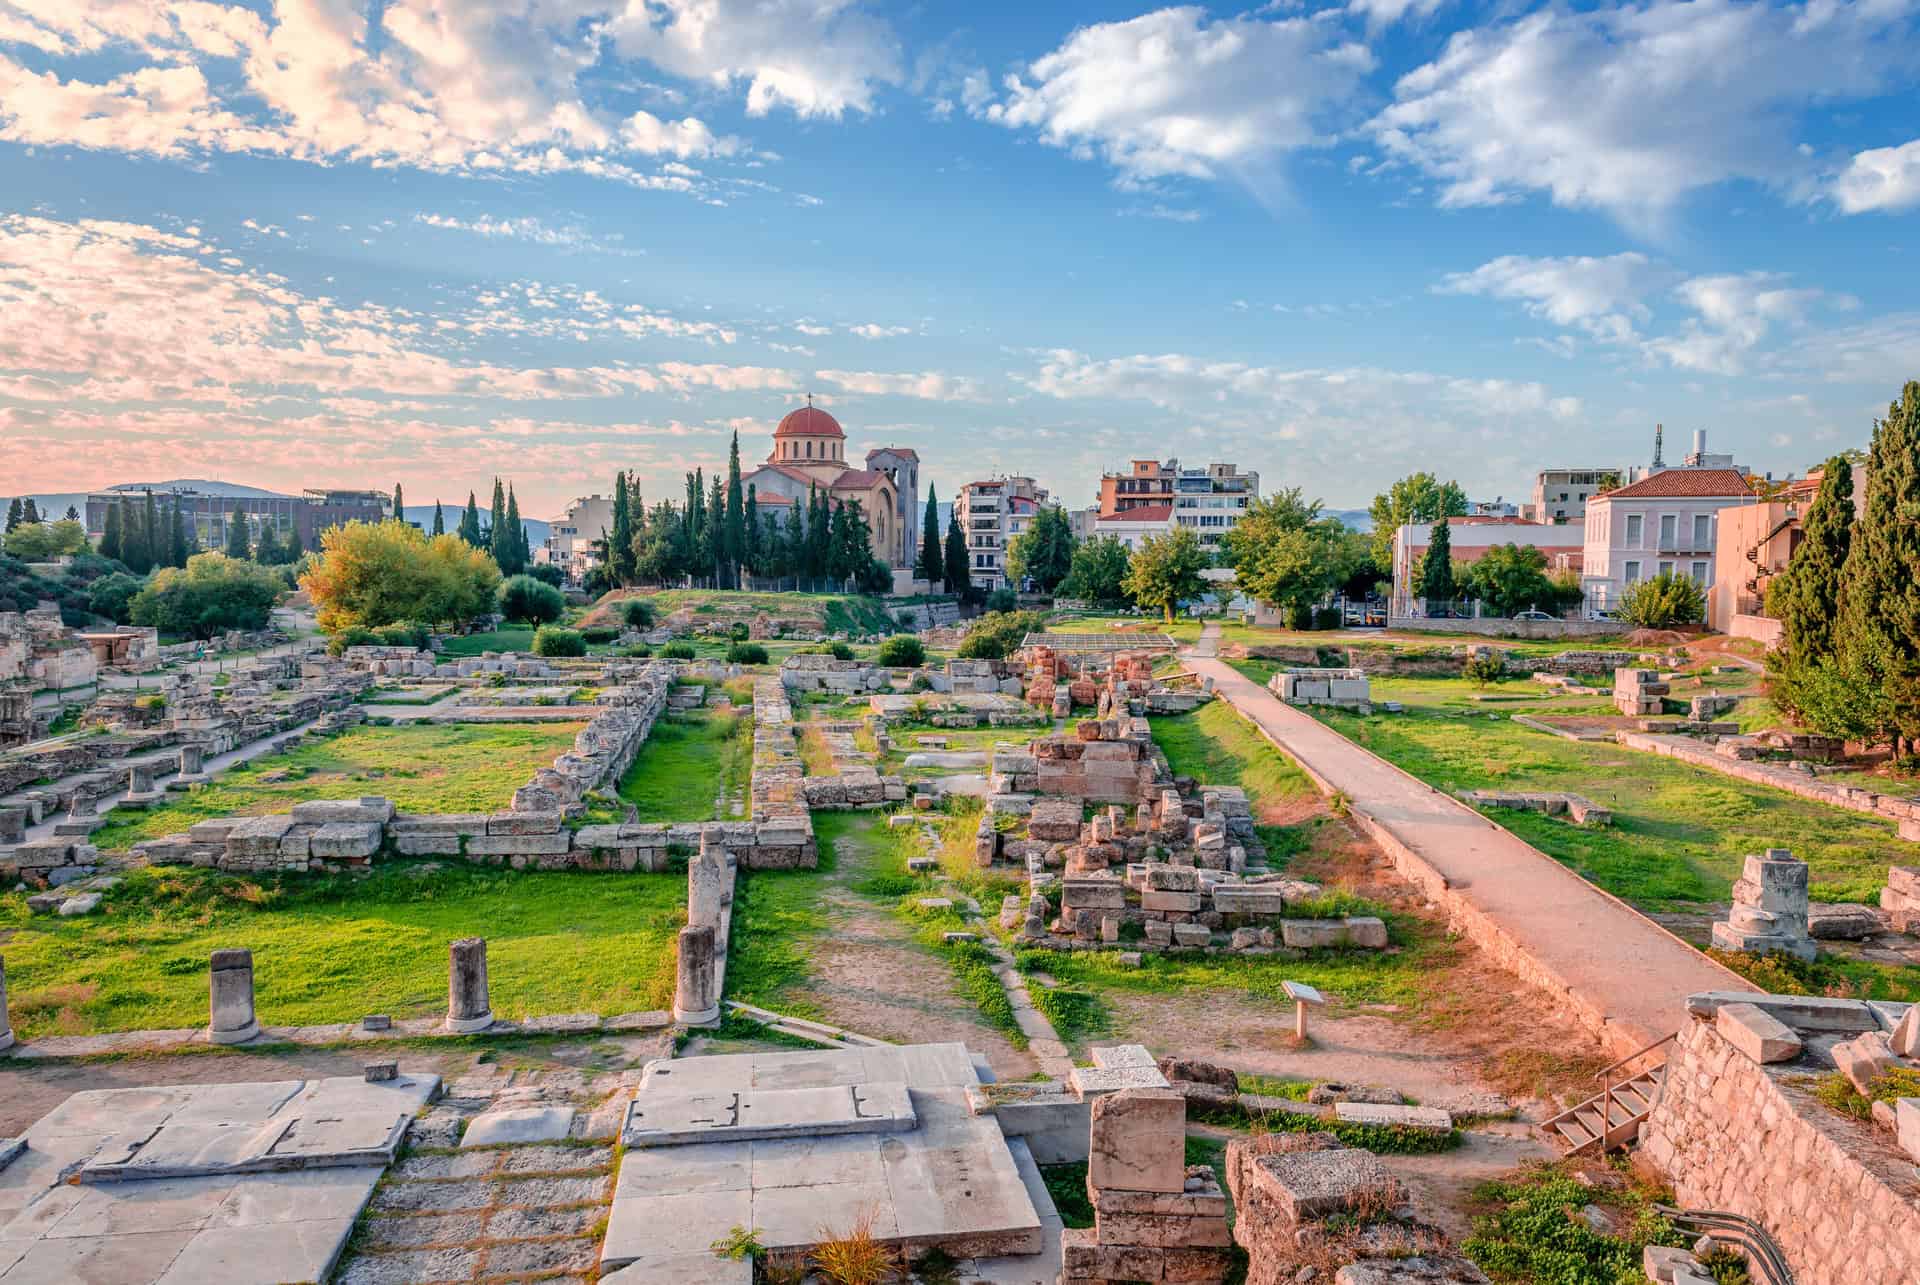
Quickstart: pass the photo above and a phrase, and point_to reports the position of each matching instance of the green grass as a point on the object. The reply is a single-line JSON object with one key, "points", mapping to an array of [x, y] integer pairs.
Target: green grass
{"points": [[422, 768], [687, 761], [1529, 1234], [1215, 746], [520, 640], [1067, 1186], [332, 948]]}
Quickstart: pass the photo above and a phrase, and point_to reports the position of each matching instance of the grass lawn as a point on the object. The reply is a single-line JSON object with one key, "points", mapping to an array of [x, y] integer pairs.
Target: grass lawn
{"points": [[687, 762], [422, 768], [520, 640], [1215, 746], [837, 613], [332, 948]]}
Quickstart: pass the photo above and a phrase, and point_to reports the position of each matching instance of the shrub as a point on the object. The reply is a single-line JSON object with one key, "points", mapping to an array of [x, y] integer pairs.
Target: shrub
{"points": [[600, 634], [677, 651], [1326, 618], [534, 601], [413, 634], [1003, 600], [637, 612], [376, 573], [112, 595], [997, 635], [1664, 602], [1297, 615], [904, 651], [353, 636], [1483, 669], [639, 651], [738, 631], [210, 595], [551, 640], [547, 573], [837, 650], [746, 653]]}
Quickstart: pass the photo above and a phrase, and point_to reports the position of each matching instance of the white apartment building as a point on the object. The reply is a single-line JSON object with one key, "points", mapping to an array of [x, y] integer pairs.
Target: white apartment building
{"points": [[1665, 522], [1561, 494], [991, 513], [1132, 527], [1208, 500], [570, 539]]}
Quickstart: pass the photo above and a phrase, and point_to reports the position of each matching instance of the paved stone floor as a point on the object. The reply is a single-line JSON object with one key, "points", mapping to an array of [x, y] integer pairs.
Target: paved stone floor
{"points": [[530, 1210]]}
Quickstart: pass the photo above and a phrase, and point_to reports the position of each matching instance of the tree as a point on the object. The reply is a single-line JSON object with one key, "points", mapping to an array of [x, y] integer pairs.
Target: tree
{"points": [[1283, 552], [1165, 570], [530, 600], [1419, 497], [45, 541], [470, 522], [1044, 551], [399, 504], [1880, 602], [1805, 597], [210, 595], [998, 634], [237, 544], [111, 546], [16, 514], [1098, 573], [30, 512], [902, 651], [498, 542], [931, 564], [519, 551], [266, 549], [439, 518], [370, 574], [149, 534], [177, 537], [1664, 602], [619, 558], [548, 573], [292, 551], [958, 576], [736, 518], [1511, 578], [73, 514], [112, 595], [1436, 573]]}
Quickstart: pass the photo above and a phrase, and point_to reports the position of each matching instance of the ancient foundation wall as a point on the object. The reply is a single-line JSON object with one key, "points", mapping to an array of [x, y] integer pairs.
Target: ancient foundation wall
{"points": [[1851, 797], [1839, 1198]]}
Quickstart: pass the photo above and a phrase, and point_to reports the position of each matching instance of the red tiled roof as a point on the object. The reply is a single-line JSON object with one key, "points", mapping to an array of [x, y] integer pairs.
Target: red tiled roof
{"points": [[904, 452], [1144, 513], [808, 421], [785, 471], [1682, 483], [858, 479]]}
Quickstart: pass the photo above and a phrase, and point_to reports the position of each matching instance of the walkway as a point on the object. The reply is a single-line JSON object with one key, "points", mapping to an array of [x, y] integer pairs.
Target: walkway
{"points": [[1625, 975]]}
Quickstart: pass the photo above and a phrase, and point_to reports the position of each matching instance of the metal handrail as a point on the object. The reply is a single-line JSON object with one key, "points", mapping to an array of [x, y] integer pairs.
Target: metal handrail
{"points": [[1604, 1071], [1739, 1230]]}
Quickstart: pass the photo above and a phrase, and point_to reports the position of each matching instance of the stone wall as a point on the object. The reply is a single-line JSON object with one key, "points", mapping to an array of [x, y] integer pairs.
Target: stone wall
{"points": [[1838, 1197], [1852, 797], [1502, 628], [605, 748], [826, 674]]}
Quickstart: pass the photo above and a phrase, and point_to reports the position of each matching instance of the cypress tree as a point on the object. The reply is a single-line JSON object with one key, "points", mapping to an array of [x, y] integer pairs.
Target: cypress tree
{"points": [[133, 541], [439, 518], [497, 527], [470, 522], [933, 564], [620, 560], [1806, 596], [750, 530], [1880, 598], [399, 503], [292, 550], [15, 514], [73, 514], [959, 576], [30, 512], [1436, 579], [718, 552], [110, 533], [177, 542], [237, 545], [266, 549], [150, 533], [736, 552]]}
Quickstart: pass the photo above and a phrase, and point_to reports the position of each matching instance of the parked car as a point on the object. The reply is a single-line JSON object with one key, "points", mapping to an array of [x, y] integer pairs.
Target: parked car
{"points": [[1533, 615]]}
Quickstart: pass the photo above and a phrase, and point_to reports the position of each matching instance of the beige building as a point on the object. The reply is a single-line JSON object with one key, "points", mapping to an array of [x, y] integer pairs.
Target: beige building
{"points": [[1666, 522], [1208, 500], [572, 539], [1561, 494], [810, 451], [991, 513]]}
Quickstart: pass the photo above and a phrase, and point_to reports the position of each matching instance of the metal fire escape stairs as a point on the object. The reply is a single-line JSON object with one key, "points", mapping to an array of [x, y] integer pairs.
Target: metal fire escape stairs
{"points": [[1610, 1120]]}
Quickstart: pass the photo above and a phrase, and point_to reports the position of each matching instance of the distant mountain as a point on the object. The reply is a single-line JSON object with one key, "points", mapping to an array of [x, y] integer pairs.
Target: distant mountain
{"points": [[1358, 519]]}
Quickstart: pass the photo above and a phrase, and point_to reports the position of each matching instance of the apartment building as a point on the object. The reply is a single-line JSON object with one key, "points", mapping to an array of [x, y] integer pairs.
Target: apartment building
{"points": [[1666, 522], [991, 514], [1470, 539], [570, 542], [1561, 494], [1208, 500]]}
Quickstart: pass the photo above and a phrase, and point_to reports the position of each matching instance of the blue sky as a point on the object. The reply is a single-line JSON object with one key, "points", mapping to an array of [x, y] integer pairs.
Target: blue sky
{"points": [[331, 243]]}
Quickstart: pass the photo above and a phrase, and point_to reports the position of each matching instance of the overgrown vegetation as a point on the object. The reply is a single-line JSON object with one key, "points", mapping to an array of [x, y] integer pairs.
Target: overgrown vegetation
{"points": [[688, 762], [1216, 746], [1532, 1232]]}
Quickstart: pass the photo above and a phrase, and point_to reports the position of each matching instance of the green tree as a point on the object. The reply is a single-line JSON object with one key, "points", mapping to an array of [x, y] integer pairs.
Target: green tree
{"points": [[1418, 497], [112, 546], [369, 574], [73, 514], [470, 522], [499, 544], [620, 538], [1284, 552], [238, 546], [959, 575], [519, 551], [210, 595], [1666, 601], [1880, 601], [736, 542], [112, 595], [399, 504], [1436, 572], [1165, 570], [439, 518], [1099, 572], [1511, 578], [45, 541], [1044, 551], [931, 565], [530, 600], [150, 540], [16, 513], [177, 537], [266, 548], [1805, 597]]}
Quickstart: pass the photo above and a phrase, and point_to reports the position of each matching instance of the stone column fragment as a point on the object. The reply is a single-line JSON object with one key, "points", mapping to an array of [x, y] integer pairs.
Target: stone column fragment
{"points": [[467, 1005], [13, 825], [192, 759], [696, 998], [230, 987], [6, 1028]]}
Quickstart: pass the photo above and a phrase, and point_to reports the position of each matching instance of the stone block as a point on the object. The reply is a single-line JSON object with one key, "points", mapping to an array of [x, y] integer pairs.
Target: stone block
{"points": [[1420, 1119], [1137, 1141], [524, 823], [1093, 893], [1366, 932], [1178, 902], [1312, 934], [1161, 1231], [1905, 1037], [372, 809], [1164, 878], [1192, 935], [1759, 1036], [519, 845], [1906, 1126], [1307, 1185], [1421, 1269], [1863, 1059], [345, 840]]}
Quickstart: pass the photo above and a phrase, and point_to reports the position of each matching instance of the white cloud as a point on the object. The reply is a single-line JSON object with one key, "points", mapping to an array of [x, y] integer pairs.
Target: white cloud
{"points": [[1171, 93], [928, 385], [1627, 109], [815, 57], [1384, 13], [1600, 296], [1883, 178], [529, 229], [1734, 313], [871, 330]]}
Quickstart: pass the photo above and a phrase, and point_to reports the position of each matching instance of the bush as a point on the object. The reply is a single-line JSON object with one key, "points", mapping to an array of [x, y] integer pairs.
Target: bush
{"points": [[677, 651], [414, 635], [639, 651], [112, 595], [1298, 616], [746, 653], [903, 651], [738, 631], [1326, 618], [551, 640], [997, 635], [45, 541], [1003, 600], [637, 613], [352, 636], [1664, 602], [376, 573], [600, 633], [838, 650], [1481, 670], [524, 598], [210, 595], [547, 573]]}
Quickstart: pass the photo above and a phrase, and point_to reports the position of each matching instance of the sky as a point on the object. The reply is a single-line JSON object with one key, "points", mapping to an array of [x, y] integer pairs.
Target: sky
{"points": [[359, 242]]}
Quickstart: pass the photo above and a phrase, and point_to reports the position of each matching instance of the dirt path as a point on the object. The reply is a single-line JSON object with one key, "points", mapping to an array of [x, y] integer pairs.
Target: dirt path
{"points": [[868, 975]]}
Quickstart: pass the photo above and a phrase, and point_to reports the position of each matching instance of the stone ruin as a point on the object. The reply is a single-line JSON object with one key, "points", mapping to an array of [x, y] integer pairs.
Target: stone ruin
{"points": [[1639, 693], [1577, 808], [1105, 760], [1900, 899], [1343, 688], [1110, 683], [1769, 912]]}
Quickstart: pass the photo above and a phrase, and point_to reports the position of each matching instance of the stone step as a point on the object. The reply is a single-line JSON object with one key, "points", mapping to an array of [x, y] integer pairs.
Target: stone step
{"points": [[667, 1119]]}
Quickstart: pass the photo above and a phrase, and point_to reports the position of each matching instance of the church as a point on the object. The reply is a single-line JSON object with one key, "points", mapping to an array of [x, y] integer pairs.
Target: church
{"points": [[810, 450]]}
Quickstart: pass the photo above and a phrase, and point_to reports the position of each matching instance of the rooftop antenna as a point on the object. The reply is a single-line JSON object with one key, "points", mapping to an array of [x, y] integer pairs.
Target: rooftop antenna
{"points": [[1659, 431]]}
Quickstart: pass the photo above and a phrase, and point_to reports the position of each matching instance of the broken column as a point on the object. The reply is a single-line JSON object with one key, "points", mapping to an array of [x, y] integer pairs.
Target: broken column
{"points": [[140, 789], [1155, 1218], [707, 882], [13, 825], [467, 1005], [230, 997], [1769, 913], [696, 997], [192, 760], [6, 1028]]}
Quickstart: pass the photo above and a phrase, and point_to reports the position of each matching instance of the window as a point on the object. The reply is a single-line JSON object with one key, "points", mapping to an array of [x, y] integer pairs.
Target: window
{"points": [[1633, 573], [1635, 524], [1666, 568], [1668, 522], [1702, 530], [1700, 573]]}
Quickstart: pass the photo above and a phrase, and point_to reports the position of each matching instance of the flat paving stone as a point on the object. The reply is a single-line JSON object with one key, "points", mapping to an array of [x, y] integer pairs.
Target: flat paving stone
{"points": [[556, 1159], [666, 1119], [541, 1256], [432, 1229], [518, 1125], [464, 1165], [432, 1197], [285, 1251], [116, 1210], [307, 1195], [413, 1267], [98, 1260], [522, 1224], [530, 1192]]}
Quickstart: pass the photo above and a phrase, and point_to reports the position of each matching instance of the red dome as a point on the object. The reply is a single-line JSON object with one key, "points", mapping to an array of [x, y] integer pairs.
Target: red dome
{"points": [[808, 421]]}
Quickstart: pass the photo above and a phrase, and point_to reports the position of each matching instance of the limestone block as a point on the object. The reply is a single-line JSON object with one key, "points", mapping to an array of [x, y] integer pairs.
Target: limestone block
{"points": [[1422, 1269], [1312, 934], [518, 845], [1366, 932], [1191, 935], [322, 811], [1164, 878], [1906, 1126], [1159, 932], [524, 823], [349, 840], [1137, 1141], [1905, 1039], [1181, 902], [1093, 893], [1420, 1119], [1864, 1059], [1759, 1036], [1303, 1185]]}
